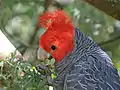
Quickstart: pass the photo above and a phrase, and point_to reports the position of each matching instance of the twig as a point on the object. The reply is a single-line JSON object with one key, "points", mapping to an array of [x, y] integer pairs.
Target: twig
{"points": [[109, 41]]}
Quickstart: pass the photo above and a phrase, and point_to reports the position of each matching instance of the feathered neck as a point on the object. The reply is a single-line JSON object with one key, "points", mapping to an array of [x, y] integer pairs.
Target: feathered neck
{"points": [[82, 44]]}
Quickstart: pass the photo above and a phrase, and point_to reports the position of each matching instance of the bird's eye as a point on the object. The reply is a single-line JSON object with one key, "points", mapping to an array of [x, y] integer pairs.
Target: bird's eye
{"points": [[53, 47]]}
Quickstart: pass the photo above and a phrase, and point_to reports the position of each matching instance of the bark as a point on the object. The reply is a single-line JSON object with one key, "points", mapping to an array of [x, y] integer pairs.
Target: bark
{"points": [[110, 7]]}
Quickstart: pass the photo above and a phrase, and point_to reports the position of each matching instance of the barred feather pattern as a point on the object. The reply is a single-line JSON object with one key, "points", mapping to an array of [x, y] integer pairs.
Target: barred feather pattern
{"points": [[87, 67]]}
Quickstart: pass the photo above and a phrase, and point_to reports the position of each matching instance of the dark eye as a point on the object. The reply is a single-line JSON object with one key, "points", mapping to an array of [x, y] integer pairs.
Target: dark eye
{"points": [[53, 47]]}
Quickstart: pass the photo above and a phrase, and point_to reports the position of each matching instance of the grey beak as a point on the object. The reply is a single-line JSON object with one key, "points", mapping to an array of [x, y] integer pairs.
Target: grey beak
{"points": [[42, 54]]}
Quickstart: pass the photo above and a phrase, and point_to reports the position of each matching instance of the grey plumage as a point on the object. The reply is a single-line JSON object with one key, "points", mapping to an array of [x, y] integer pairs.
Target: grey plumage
{"points": [[87, 67]]}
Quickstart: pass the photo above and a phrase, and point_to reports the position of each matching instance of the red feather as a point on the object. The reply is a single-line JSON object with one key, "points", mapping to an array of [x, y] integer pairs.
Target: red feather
{"points": [[60, 32], [58, 17]]}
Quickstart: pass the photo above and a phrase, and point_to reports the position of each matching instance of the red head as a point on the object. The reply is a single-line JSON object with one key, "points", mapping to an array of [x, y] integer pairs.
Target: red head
{"points": [[58, 39]]}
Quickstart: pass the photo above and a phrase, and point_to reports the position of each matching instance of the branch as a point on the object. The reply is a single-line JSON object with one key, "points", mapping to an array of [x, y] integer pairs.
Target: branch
{"points": [[49, 4], [110, 7], [19, 45], [109, 41]]}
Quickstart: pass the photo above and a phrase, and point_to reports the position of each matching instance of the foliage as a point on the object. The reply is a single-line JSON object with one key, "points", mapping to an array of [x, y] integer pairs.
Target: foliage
{"points": [[17, 74]]}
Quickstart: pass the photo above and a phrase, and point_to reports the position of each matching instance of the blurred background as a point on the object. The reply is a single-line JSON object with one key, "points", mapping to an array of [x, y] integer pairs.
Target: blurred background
{"points": [[19, 31]]}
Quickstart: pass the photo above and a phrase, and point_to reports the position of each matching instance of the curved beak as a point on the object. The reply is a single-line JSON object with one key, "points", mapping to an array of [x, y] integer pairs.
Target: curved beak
{"points": [[42, 54]]}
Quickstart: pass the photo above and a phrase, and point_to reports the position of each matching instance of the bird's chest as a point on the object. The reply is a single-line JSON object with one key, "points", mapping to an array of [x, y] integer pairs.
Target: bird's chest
{"points": [[60, 81]]}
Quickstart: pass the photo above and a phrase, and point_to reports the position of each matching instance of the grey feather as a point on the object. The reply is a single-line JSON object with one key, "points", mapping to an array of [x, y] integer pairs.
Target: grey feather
{"points": [[87, 67]]}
